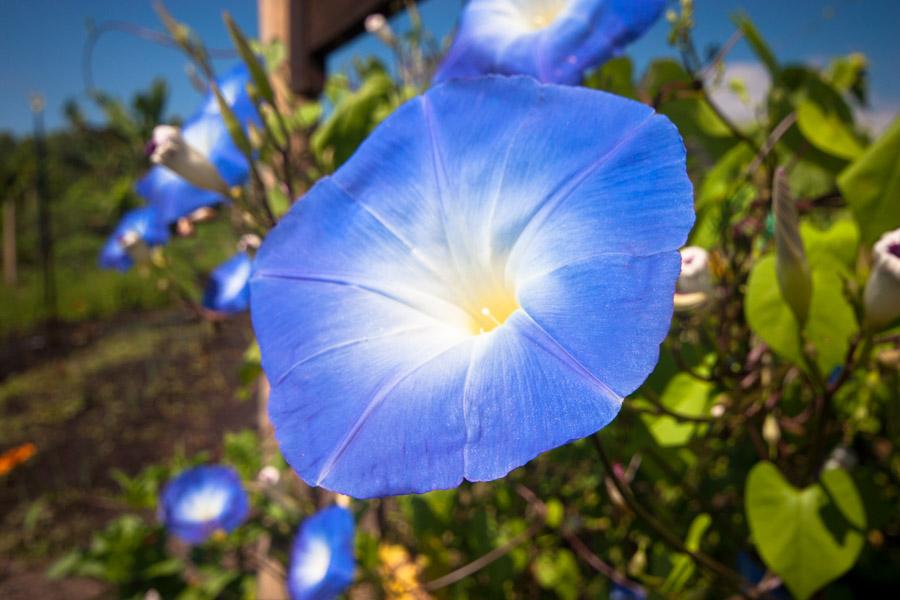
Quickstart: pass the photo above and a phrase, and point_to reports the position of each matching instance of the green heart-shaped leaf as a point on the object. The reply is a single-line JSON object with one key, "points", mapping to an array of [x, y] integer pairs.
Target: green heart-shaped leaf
{"points": [[808, 537], [831, 320]]}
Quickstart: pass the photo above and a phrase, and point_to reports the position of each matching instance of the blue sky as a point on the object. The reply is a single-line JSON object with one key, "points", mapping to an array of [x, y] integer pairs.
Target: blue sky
{"points": [[41, 42]]}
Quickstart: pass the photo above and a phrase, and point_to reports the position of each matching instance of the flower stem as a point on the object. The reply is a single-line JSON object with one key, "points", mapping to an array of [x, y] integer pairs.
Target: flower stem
{"points": [[667, 535]]}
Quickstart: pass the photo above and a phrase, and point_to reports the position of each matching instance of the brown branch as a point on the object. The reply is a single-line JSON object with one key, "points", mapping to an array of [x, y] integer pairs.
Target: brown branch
{"points": [[709, 563], [483, 561], [580, 548]]}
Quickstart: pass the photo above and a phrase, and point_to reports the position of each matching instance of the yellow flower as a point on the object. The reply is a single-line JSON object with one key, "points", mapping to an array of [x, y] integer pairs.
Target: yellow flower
{"points": [[400, 574]]}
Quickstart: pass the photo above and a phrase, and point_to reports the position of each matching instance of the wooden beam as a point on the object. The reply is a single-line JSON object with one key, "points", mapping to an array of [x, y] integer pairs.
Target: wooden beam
{"points": [[333, 22], [310, 29]]}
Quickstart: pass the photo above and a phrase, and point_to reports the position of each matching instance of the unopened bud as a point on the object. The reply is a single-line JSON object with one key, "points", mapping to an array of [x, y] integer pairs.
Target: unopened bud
{"points": [[184, 227], [695, 274], [269, 475], [248, 241], [791, 268], [882, 294], [202, 215], [771, 432], [378, 26], [169, 148]]}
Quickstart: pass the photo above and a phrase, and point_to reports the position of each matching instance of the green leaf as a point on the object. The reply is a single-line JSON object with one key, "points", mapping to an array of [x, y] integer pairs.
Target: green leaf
{"points": [[837, 244], [65, 566], [793, 86], [257, 72], [849, 74], [557, 570], [683, 565], [831, 320], [555, 513], [871, 185], [809, 537], [662, 73], [759, 46], [826, 130], [616, 76], [352, 120], [719, 180], [685, 395]]}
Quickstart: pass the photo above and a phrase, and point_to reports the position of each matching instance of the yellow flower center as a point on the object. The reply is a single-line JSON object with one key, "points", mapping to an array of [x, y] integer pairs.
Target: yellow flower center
{"points": [[491, 310], [540, 13]]}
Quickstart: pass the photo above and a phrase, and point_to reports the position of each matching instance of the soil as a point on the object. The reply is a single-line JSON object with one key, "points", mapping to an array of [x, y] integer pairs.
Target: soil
{"points": [[122, 394]]}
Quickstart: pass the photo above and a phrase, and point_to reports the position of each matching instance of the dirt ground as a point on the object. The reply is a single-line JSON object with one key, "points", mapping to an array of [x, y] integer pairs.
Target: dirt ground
{"points": [[117, 395]]}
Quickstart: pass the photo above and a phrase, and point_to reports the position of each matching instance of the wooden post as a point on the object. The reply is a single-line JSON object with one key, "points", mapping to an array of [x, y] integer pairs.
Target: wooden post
{"points": [[9, 242], [310, 29]]}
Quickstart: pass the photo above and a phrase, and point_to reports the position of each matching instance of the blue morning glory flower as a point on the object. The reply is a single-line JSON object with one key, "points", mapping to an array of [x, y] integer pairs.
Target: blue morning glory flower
{"points": [[322, 560], [228, 288], [484, 280], [172, 196], [203, 500], [555, 41], [205, 132], [141, 224]]}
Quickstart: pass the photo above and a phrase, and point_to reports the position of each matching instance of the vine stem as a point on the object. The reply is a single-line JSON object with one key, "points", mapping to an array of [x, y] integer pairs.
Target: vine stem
{"points": [[484, 560], [580, 548], [665, 534]]}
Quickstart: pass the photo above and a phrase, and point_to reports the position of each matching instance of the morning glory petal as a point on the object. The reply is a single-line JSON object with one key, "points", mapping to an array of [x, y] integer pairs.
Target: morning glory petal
{"points": [[608, 312], [206, 132], [228, 288], [526, 395], [172, 196], [322, 561], [203, 500], [434, 311], [141, 224], [555, 41]]}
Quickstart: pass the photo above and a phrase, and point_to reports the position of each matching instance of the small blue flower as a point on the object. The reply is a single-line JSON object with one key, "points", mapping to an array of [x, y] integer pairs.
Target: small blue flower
{"points": [[620, 592], [203, 500], [484, 280], [555, 41], [172, 196], [206, 133], [228, 288], [322, 560], [141, 224]]}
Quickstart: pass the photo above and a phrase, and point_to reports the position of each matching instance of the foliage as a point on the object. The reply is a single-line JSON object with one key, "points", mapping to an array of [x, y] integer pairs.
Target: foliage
{"points": [[756, 437]]}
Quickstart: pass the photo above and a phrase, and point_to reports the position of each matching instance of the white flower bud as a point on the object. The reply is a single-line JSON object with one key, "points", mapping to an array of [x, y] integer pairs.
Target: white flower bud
{"points": [[377, 25], [202, 215], [882, 295], [248, 241], [791, 267], [152, 594], [695, 275], [169, 148], [269, 475]]}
